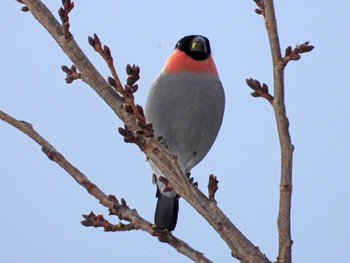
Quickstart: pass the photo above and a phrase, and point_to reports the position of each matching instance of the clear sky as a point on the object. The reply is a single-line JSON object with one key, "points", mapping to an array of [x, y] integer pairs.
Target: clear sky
{"points": [[41, 205]]}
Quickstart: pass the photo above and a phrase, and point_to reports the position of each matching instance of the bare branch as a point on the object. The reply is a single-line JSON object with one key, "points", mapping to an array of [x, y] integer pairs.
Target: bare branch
{"points": [[284, 222], [266, 8], [115, 208]]}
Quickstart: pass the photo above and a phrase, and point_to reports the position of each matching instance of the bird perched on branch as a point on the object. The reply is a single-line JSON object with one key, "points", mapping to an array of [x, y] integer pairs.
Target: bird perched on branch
{"points": [[185, 105]]}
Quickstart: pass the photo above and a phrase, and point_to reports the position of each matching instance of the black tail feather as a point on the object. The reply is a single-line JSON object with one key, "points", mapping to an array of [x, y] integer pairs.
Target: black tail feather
{"points": [[166, 212]]}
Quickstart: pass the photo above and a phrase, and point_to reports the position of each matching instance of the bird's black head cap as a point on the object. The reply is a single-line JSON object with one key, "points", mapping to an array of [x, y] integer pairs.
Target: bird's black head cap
{"points": [[195, 46]]}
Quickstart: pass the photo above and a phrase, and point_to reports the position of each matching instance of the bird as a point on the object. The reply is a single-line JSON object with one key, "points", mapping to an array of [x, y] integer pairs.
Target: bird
{"points": [[185, 105]]}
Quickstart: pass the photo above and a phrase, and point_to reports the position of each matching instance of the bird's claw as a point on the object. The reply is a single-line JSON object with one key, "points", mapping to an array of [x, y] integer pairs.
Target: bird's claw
{"points": [[191, 179], [162, 141]]}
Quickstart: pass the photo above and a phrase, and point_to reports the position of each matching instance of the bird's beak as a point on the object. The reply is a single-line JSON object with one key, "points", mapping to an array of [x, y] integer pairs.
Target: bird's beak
{"points": [[198, 44]]}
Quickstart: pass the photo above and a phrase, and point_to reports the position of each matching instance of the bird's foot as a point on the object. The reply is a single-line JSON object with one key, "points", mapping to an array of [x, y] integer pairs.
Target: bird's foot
{"points": [[191, 179], [162, 141]]}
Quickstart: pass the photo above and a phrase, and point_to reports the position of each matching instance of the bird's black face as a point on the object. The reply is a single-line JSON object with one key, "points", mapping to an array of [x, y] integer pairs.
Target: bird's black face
{"points": [[197, 47]]}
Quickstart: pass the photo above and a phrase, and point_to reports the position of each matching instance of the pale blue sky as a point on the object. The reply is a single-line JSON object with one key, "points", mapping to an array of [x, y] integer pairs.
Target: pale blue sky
{"points": [[41, 205]]}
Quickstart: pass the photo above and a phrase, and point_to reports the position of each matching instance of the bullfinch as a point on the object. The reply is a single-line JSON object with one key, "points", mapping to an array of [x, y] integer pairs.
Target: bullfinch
{"points": [[186, 106]]}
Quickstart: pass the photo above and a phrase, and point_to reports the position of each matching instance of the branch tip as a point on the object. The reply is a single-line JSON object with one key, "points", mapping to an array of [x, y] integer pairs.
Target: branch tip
{"points": [[63, 13], [212, 187], [107, 52], [91, 41], [99, 221], [259, 90], [96, 44], [133, 74], [294, 54], [72, 73], [123, 202], [25, 9], [127, 90], [97, 39], [261, 7], [128, 135], [122, 132]]}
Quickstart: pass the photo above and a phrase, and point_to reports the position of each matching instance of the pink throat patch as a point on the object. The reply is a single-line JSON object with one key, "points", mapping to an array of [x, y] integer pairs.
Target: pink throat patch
{"points": [[179, 62]]}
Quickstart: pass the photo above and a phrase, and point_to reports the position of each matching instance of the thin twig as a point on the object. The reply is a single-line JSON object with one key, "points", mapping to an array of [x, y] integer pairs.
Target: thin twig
{"points": [[105, 52], [99, 221], [259, 90], [294, 54]]}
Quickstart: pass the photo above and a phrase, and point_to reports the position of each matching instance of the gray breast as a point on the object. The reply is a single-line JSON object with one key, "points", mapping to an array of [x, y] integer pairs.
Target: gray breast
{"points": [[186, 110]]}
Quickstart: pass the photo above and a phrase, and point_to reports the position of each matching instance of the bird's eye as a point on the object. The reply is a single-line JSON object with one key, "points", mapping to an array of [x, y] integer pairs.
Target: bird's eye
{"points": [[198, 45], [193, 45]]}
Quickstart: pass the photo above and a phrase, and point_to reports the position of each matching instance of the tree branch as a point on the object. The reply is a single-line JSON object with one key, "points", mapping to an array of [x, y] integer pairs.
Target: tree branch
{"points": [[115, 208], [267, 10], [284, 212]]}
